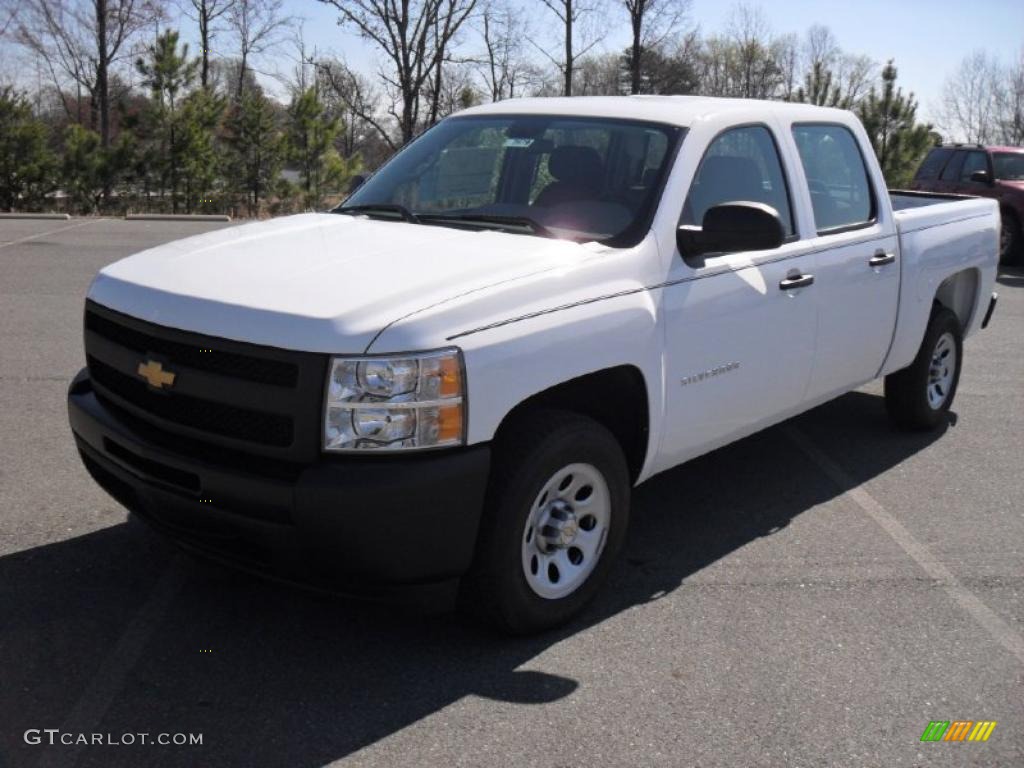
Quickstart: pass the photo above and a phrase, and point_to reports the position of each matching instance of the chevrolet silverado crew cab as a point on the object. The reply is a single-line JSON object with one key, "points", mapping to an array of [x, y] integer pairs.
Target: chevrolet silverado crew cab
{"points": [[451, 382]]}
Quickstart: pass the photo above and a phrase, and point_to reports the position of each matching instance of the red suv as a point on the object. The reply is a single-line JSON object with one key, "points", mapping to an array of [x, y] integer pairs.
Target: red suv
{"points": [[972, 169]]}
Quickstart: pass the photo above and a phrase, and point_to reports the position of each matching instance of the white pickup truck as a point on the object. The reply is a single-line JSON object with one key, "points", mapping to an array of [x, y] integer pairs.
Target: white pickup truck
{"points": [[450, 383]]}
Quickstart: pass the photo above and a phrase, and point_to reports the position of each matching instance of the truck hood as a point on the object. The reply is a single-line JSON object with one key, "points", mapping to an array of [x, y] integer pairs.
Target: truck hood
{"points": [[317, 282]]}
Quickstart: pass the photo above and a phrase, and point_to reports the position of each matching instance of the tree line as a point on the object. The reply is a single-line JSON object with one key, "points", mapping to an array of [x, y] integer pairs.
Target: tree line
{"points": [[126, 116]]}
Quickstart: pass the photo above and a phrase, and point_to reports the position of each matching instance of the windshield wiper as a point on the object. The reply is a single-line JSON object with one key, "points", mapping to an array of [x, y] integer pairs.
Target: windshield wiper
{"points": [[513, 224], [389, 210]]}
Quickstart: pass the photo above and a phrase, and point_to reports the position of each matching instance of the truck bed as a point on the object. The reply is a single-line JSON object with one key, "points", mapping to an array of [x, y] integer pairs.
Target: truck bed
{"points": [[941, 235], [920, 210], [903, 199]]}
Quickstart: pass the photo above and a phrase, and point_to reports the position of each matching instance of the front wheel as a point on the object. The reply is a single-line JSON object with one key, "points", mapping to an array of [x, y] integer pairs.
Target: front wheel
{"points": [[919, 396], [556, 515]]}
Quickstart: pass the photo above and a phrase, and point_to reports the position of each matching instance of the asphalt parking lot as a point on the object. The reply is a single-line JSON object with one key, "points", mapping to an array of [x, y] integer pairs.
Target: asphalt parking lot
{"points": [[813, 595]]}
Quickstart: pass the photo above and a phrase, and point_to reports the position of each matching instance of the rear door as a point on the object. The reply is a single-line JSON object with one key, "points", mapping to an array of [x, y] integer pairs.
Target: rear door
{"points": [[857, 271], [739, 344]]}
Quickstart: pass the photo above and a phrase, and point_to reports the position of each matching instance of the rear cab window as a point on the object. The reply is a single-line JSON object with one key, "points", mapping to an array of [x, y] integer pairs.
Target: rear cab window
{"points": [[841, 193]]}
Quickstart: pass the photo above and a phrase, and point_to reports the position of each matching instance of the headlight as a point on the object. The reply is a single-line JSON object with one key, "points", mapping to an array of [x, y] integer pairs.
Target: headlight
{"points": [[389, 403]]}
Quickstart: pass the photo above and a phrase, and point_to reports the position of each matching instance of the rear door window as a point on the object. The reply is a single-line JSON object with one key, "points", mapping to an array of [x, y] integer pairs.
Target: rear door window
{"points": [[841, 193], [952, 170], [933, 164]]}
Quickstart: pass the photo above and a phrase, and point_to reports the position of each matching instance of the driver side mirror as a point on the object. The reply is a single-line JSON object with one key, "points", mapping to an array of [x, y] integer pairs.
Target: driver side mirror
{"points": [[731, 227], [981, 177]]}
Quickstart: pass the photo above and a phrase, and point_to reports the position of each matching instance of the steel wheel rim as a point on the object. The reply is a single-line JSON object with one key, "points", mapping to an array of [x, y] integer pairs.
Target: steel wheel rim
{"points": [[565, 531], [1005, 236], [941, 371]]}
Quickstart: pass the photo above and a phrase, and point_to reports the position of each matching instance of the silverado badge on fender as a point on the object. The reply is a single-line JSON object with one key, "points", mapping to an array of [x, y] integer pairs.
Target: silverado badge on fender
{"points": [[155, 375]]}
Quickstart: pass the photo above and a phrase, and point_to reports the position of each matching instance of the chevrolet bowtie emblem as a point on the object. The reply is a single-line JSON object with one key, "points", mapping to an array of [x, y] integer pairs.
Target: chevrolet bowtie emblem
{"points": [[153, 372]]}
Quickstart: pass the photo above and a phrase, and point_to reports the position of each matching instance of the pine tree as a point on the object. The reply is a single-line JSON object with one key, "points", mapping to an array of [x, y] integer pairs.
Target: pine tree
{"points": [[890, 119], [195, 150], [168, 75], [27, 167], [311, 134], [82, 173], [256, 147], [818, 88]]}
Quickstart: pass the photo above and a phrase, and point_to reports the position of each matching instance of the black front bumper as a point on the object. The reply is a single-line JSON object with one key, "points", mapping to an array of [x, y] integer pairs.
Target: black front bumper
{"points": [[373, 526]]}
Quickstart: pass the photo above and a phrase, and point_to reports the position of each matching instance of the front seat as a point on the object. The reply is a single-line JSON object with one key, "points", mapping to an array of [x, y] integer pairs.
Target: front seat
{"points": [[578, 172]]}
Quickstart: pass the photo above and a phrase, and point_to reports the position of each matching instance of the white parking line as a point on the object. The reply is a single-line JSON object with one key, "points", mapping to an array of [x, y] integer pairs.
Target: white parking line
{"points": [[48, 232], [1000, 631], [109, 679]]}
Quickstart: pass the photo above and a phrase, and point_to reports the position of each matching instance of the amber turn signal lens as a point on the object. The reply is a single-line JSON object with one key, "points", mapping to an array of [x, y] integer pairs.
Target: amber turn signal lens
{"points": [[449, 423], [451, 377]]}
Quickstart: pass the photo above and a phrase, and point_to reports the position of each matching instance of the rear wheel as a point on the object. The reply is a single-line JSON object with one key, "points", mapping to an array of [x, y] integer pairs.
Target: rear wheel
{"points": [[919, 396], [556, 515]]}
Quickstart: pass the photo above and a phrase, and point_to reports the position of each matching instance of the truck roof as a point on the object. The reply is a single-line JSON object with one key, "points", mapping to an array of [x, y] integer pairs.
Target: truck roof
{"points": [[675, 110]]}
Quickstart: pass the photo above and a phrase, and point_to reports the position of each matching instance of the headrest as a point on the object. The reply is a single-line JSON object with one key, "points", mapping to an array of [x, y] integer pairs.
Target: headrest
{"points": [[576, 165]]}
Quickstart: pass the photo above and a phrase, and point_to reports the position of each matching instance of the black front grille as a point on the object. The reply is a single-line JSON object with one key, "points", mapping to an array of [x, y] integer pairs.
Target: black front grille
{"points": [[229, 400], [216, 455], [206, 415], [187, 480], [217, 361]]}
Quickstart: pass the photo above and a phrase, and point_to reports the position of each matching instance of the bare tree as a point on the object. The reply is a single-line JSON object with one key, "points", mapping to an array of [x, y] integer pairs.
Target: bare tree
{"points": [[651, 23], [831, 76], [820, 47], [257, 25], [759, 74], [81, 41], [598, 75], [1010, 104], [504, 66], [968, 109], [786, 52], [456, 91], [414, 36], [206, 14], [7, 15], [361, 101], [855, 75], [578, 37]]}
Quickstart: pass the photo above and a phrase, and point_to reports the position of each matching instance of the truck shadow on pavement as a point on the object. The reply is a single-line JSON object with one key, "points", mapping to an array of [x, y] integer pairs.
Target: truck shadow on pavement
{"points": [[1011, 277], [275, 676]]}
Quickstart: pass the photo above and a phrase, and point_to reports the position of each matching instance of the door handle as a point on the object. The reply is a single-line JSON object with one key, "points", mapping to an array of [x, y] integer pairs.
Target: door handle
{"points": [[881, 258], [797, 281]]}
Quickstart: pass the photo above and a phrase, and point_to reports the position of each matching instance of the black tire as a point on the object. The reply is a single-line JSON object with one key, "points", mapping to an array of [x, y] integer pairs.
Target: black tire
{"points": [[526, 457], [907, 392], [1011, 247]]}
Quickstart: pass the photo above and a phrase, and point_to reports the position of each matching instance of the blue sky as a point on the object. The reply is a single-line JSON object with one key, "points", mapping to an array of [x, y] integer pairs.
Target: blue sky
{"points": [[927, 38]]}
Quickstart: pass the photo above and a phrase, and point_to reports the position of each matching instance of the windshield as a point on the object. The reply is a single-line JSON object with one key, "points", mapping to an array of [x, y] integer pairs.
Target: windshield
{"points": [[1009, 166], [567, 177]]}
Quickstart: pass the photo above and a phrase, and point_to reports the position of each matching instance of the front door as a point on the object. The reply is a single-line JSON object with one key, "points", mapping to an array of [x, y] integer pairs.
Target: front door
{"points": [[740, 329]]}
